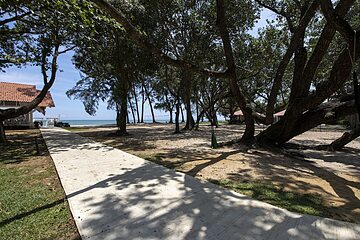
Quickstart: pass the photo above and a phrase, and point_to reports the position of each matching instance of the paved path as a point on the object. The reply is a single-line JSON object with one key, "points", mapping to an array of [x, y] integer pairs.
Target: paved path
{"points": [[115, 195]]}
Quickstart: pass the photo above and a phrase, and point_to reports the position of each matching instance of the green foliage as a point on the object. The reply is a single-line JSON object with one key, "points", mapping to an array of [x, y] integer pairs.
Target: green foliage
{"points": [[30, 28]]}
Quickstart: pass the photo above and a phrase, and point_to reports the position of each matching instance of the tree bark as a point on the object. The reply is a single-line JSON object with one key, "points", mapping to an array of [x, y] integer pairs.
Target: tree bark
{"points": [[294, 42], [121, 93], [136, 104], [2, 132], [177, 115], [142, 103], [123, 113], [324, 114], [150, 103], [142, 41], [199, 117], [187, 83], [347, 137], [171, 116], [16, 112], [182, 114], [132, 110], [240, 98]]}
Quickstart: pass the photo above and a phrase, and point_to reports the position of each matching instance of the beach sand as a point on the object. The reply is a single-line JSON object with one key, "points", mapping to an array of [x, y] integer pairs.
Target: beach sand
{"points": [[335, 176]]}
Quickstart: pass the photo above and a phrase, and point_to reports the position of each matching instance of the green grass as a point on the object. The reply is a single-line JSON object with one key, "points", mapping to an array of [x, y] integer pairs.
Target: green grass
{"points": [[295, 202], [32, 204]]}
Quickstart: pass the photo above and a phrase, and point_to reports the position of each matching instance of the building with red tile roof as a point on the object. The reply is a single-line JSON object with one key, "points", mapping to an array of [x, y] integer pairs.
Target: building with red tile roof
{"points": [[15, 95]]}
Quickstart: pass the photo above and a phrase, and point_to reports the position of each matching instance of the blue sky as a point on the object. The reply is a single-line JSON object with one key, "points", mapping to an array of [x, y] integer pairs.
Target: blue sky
{"points": [[70, 109]]}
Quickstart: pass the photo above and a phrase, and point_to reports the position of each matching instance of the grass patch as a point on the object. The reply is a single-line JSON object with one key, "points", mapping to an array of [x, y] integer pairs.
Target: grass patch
{"points": [[32, 204], [301, 203]]}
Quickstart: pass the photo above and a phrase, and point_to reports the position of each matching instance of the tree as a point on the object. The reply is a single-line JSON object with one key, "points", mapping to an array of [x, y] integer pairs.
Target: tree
{"points": [[36, 32], [306, 108], [112, 69]]}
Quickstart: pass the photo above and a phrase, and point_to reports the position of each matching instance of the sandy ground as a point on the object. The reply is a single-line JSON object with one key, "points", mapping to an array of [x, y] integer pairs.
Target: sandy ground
{"points": [[334, 176]]}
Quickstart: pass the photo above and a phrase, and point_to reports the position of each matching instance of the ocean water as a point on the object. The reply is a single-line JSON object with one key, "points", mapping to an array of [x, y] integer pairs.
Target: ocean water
{"points": [[102, 122]]}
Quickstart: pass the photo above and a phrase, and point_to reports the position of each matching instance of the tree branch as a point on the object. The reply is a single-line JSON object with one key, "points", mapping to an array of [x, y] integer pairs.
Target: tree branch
{"points": [[137, 37], [15, 112], [280, 12], [339, 22], [15, 18]]}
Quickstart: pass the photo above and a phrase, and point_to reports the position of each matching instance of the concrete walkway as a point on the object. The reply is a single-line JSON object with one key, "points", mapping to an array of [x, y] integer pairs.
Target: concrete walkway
{"points": [[115, 195]]}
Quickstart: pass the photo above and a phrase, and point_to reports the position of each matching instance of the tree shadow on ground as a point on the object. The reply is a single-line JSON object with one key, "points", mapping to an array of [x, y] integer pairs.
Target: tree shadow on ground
{"points": [[131, 198], [311, 165], [152, 202], [20, 147]]}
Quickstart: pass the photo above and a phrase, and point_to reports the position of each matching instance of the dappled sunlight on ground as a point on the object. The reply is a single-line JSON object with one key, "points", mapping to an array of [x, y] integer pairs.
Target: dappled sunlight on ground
{"points": [[333, 176]]}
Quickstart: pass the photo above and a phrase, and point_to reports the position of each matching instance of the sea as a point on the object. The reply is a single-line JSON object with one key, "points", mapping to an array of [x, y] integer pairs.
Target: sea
{"points": [[103, 122]]}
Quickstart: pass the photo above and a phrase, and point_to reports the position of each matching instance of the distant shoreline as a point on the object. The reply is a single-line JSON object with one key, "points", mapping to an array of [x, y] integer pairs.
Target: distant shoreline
{"points": [[100, 123]]}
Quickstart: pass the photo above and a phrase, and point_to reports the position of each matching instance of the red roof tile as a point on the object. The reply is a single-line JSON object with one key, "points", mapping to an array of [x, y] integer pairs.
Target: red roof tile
{"points": [[281, 113], [24, 93]]}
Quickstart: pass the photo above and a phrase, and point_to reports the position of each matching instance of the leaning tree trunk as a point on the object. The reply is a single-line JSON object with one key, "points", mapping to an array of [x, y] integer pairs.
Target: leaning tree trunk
{"points": [[347, 137], [2, 132], [199, 117], [324, 114]]}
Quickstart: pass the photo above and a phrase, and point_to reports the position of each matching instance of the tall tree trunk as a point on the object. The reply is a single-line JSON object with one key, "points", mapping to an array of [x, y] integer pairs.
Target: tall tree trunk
{"points": [[136, 104], [190, 123], [142, 102], [182, 114], [215, 119], [150, 103], [171, 116], [132, 110], [2, 132], [177, 115], [186, 82], [238, 95], [122, 113], [127, 118], [170, 108], [197, 108], [199, 117]]}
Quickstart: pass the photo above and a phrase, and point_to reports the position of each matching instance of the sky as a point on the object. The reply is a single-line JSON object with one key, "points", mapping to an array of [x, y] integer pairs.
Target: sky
{"points": [[71, 109]]}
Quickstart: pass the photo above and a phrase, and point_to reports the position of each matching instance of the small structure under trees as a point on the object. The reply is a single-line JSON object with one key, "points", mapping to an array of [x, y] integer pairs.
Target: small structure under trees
{"points": [[14, 95]]}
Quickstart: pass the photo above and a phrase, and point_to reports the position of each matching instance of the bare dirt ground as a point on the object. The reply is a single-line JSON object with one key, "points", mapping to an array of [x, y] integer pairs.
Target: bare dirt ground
{"points": [[335, 176]]}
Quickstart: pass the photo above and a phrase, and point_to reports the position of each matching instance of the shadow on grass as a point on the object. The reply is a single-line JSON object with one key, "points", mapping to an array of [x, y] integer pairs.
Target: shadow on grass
{"points": [[28, 213], [21, 147], [302, 203]]}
